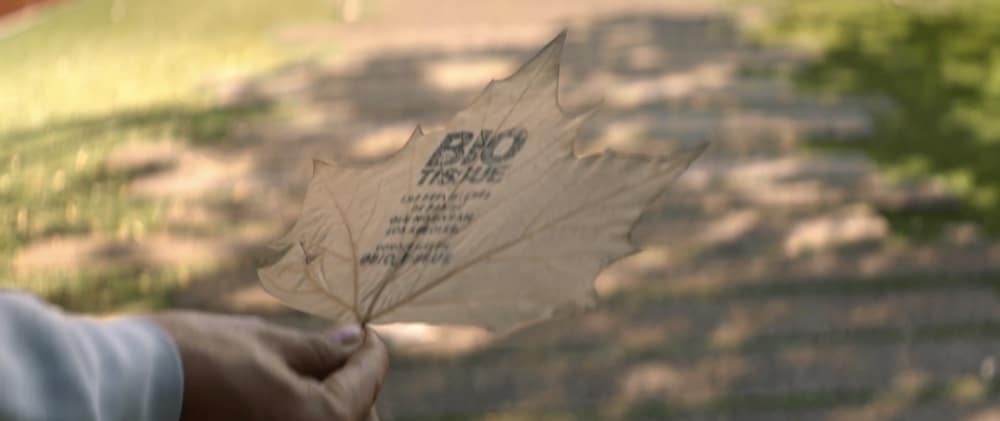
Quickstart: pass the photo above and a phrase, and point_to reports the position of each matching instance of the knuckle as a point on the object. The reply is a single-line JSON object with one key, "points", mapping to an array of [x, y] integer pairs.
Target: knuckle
{"points": [[335, 409], [286, 399], [337, 412], [336, 389], [292, 392], [309, 405], [340, 401]]}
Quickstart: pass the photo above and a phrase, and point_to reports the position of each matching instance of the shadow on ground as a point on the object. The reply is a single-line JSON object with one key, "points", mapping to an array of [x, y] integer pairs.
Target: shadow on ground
{"points": [[768, 288]]}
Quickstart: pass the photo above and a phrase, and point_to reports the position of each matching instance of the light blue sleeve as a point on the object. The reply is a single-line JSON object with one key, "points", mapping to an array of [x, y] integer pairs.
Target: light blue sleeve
{"points": [[57, 367]]}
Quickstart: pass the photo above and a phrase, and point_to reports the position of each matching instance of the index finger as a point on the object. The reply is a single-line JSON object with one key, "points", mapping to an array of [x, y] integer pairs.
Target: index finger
{"points": [[352, 389]]}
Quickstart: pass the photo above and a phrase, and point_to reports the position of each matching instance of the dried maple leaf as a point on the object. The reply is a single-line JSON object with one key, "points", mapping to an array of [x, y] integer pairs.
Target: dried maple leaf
{"points": [[493, 221]]}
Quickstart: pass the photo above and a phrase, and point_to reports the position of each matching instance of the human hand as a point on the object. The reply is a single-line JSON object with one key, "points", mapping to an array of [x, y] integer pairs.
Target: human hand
{"points": [[242, 368]]}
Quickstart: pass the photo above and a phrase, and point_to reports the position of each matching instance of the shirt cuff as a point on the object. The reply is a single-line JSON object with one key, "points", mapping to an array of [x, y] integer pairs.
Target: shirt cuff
{"points": [[149, 384]]}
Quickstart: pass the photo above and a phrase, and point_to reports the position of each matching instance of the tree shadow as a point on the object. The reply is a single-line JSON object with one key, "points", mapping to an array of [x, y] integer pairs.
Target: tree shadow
{"points": [[731, 329], [116, 278], [771, 336]]}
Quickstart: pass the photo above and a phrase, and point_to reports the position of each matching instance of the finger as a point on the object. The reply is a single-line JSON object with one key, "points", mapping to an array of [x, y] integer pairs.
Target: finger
{"points": [[354, 386], [316, 355]]}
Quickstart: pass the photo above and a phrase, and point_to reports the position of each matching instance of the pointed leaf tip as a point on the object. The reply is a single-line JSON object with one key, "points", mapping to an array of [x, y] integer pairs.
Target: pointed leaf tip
{"points": [[316, 164], [553, 48], [557, 42], [417, 132], [547, 58]]}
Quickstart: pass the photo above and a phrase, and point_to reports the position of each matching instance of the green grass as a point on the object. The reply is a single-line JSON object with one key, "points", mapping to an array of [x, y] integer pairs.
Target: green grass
{"points": [[938, 64], [89, 75], [127, 289], [94, 57]]}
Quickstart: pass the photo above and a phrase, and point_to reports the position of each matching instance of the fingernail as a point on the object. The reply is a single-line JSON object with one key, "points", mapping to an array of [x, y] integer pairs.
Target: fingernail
{"points": [[348, 335]]}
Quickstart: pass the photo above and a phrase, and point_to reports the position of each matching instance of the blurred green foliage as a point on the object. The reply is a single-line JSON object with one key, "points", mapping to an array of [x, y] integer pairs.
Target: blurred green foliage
{"points": [[89, 75], [937, 62]]}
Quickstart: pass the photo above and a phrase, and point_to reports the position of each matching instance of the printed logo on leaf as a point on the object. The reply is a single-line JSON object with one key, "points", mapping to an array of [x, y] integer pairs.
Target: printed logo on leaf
{"points": [[460, 159]]}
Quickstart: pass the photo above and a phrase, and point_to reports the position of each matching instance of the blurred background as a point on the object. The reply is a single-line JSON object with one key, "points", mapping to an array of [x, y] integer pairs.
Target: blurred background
{"points": [[832, 256]]}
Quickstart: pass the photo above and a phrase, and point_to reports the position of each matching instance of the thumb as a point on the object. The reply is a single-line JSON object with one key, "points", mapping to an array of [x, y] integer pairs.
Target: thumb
{"points": [[316, 355]]}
